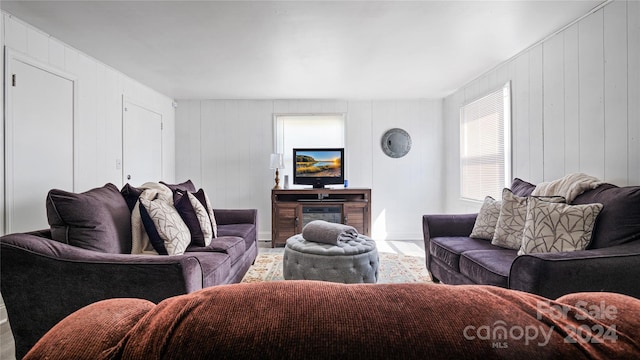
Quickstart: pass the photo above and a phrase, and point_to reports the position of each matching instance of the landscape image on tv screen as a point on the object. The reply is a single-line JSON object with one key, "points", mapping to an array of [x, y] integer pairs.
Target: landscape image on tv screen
{"points": [[318, 164]]}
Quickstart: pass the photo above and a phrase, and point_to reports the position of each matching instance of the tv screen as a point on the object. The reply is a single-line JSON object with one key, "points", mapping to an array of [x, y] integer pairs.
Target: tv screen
{"points": [[318, 167]]}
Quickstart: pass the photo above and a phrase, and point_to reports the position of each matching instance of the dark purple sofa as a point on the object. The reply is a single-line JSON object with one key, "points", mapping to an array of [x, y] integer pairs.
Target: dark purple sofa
{"points": [[610, 263], [44, 280]]}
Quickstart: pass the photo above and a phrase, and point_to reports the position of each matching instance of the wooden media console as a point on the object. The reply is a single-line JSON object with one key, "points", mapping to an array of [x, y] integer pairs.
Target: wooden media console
{"points": [[292, 209]]}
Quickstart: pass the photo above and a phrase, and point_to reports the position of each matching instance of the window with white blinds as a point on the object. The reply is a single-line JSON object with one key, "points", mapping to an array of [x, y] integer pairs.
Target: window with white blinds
{"points": [[306, 131], [485, 145]]}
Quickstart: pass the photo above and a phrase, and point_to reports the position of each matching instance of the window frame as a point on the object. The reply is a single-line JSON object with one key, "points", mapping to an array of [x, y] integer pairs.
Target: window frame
{"points": [[507, 97], [278, 144]]}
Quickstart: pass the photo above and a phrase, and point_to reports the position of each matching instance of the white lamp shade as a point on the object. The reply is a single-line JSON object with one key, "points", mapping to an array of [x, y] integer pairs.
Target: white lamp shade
{"points": [[277, 161]]}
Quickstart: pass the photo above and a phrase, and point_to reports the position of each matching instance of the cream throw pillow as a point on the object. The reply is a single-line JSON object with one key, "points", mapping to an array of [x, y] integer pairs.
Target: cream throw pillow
{"points": [[553, 227], [214, 224], [513, 213], [204, 200], [170, 227], [203, 217], [485, 225]]}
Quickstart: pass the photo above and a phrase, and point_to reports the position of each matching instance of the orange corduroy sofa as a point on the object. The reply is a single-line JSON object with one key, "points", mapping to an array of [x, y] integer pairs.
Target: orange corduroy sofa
{"points": [[320, 320]]}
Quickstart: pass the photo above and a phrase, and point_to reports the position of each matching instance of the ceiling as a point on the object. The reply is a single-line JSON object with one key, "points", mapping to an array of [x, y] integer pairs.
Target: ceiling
{"points": [[300, 49]]}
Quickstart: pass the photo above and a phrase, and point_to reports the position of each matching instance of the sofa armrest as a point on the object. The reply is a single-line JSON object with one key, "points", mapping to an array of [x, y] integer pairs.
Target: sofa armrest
{"points": [[126, 271], [236, 216], [43, 280], [612, 269], [447, 225], [444, 225]]}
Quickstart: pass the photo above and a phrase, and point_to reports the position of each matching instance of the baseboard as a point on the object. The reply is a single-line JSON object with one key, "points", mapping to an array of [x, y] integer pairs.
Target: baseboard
{"points": [[264, 236]]}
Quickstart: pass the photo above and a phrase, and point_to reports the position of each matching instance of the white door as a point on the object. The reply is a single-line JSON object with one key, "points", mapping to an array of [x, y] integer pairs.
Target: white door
{"points": [[142, 145], [38, 140]]}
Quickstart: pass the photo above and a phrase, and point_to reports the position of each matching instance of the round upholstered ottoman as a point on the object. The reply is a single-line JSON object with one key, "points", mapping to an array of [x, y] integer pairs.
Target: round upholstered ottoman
{"points": [[349, 262]]}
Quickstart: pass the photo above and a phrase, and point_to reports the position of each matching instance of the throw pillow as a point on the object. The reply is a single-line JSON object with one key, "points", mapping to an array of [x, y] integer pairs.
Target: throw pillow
{"points": [[204, 200], [185, 186], [167, 232], [131, 195], [98, 219], [195, 216], [485, 225], [511, 220], [619, 221], [522, 188], [557, 227]]}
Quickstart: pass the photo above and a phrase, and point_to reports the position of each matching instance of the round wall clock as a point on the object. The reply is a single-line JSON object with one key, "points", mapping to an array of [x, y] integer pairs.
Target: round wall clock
{"points": [[396, 143]]}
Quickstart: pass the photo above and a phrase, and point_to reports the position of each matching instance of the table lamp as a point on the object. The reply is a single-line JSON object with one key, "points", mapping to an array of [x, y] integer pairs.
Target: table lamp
{"points": [[277, 162]]}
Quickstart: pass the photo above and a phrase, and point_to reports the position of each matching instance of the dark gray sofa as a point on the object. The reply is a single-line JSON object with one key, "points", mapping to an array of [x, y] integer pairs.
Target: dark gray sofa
{"points": [[610, 263], [44, 280]]}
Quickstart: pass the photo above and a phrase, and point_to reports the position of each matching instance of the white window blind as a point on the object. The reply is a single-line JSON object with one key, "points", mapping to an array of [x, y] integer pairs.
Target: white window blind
{"points": [[306, 131], [485, 145]]}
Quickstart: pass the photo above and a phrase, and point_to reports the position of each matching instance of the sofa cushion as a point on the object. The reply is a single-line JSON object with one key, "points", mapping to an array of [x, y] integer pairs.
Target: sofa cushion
{"points": [[619, 220], [233, 246], [167, 231], [553, 227], [489, 267], [216, 267], [510, 224], [195, 216], [98, 219], [448, 249], [92, 330], [245, 231], [485, 225], [184, 186]]}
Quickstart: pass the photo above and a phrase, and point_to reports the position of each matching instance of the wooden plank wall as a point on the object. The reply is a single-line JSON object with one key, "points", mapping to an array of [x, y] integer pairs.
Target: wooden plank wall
{"points": [[224, 147], [98, 137], [575, 103]]}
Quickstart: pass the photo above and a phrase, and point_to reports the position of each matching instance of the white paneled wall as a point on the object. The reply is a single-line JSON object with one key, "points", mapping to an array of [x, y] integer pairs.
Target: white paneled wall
{"points": [[224, 147], [411, 186], [98, 136], [575, 104]]}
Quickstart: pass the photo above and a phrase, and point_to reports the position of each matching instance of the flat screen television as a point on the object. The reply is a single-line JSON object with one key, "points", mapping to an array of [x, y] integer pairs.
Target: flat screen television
{"points": [[318, 167]]}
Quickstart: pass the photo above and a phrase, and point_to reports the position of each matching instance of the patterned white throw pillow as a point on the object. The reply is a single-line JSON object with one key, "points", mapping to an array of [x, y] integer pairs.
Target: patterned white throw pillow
{"points": [[513, 213], [556, 227], [195, 216], [203, 218], [204, 200], [169, 235], [214, 225], [485, 225]]}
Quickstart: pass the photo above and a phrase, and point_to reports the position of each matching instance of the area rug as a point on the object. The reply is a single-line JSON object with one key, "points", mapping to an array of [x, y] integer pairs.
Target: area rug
{"points": [[393, 268]]}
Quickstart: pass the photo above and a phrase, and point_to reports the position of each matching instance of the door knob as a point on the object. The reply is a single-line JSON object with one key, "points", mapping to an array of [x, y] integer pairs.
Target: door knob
{"points": [[128, 177]]}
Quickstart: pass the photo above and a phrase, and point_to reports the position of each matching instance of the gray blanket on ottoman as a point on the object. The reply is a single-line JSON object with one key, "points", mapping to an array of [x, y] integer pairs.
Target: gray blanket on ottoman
{"points": [[328, 233]]}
